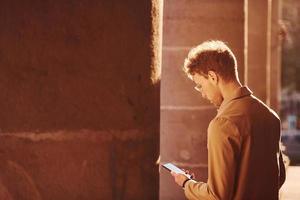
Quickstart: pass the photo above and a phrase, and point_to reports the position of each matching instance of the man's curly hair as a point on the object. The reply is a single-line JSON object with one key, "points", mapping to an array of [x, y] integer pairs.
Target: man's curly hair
{"points": [[213, 55]]}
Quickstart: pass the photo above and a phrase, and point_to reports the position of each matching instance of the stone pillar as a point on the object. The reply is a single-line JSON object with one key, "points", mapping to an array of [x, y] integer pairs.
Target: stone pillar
{"points": [[256, 71], [184, 114], [79, 99], [263, 50], [275, 81]]}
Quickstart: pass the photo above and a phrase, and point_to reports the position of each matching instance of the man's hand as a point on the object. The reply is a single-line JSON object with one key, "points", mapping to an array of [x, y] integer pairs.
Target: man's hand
{"points": [[180, 178]]}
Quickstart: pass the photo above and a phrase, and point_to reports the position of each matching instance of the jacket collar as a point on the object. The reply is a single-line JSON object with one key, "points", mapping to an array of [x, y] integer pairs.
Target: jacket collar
{"points": [[239, 93]]}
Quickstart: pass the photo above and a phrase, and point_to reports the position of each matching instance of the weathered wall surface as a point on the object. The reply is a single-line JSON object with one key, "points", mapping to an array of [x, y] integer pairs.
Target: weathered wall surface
{"points": [[79, 109], [264, 50], [275, 55], [257, 27]]}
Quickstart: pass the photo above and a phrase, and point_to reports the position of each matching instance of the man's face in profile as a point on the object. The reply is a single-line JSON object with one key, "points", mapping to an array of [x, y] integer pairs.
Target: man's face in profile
{"points": [[208, 89]]}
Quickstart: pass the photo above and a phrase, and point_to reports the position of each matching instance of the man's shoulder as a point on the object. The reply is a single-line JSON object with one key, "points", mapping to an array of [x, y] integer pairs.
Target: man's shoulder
{"points": [[263, 107], [221, 122], [222, 128], [247, 105], [249, 110]]}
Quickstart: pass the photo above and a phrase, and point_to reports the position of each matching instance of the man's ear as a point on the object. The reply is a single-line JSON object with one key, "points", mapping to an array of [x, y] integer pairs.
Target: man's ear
{"points": [[213, 77]]}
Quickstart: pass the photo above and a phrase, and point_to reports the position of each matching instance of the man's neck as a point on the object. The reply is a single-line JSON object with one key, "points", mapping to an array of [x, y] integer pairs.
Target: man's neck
{"points": [[229, 89]]}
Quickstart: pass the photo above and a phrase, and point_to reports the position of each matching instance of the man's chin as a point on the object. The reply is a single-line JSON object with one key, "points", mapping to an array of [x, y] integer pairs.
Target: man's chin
{"points": [[216, 104]]}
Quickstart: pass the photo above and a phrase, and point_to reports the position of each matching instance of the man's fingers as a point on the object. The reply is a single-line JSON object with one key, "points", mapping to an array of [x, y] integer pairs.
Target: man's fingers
{"points": [[192, 175], [189, 173], [185, 171]]}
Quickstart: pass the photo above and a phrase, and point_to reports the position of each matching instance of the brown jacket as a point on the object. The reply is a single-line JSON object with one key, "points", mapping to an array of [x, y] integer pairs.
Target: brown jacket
{"points": [[244, 159]]}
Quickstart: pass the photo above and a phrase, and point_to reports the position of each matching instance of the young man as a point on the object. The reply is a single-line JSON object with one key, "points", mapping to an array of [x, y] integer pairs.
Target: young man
{"points": [[244, 158]]}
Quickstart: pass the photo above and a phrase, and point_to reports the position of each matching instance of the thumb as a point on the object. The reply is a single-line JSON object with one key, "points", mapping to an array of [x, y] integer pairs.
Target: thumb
{"points": [[193, 175]]}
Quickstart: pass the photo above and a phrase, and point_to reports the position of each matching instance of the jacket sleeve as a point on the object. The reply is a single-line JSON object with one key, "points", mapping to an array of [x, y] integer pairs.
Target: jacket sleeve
{"points": [[223, 153]]}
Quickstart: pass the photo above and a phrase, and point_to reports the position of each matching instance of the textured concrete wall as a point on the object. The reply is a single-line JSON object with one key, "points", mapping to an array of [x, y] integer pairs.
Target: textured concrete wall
{"points": [[275, 62], [263, 50], [79, 109], [257, 48], [184, 114]]}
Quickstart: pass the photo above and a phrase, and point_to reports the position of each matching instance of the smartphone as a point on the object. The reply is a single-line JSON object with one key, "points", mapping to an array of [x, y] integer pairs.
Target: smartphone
{"points": [[172, 168]]}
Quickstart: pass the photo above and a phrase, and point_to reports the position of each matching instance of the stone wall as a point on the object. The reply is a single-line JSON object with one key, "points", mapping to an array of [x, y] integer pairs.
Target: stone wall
{"points": [[79, 99]]}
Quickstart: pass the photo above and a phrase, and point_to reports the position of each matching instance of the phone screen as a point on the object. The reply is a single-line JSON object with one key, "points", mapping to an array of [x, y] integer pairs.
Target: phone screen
{"points": [[170, 167]]}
